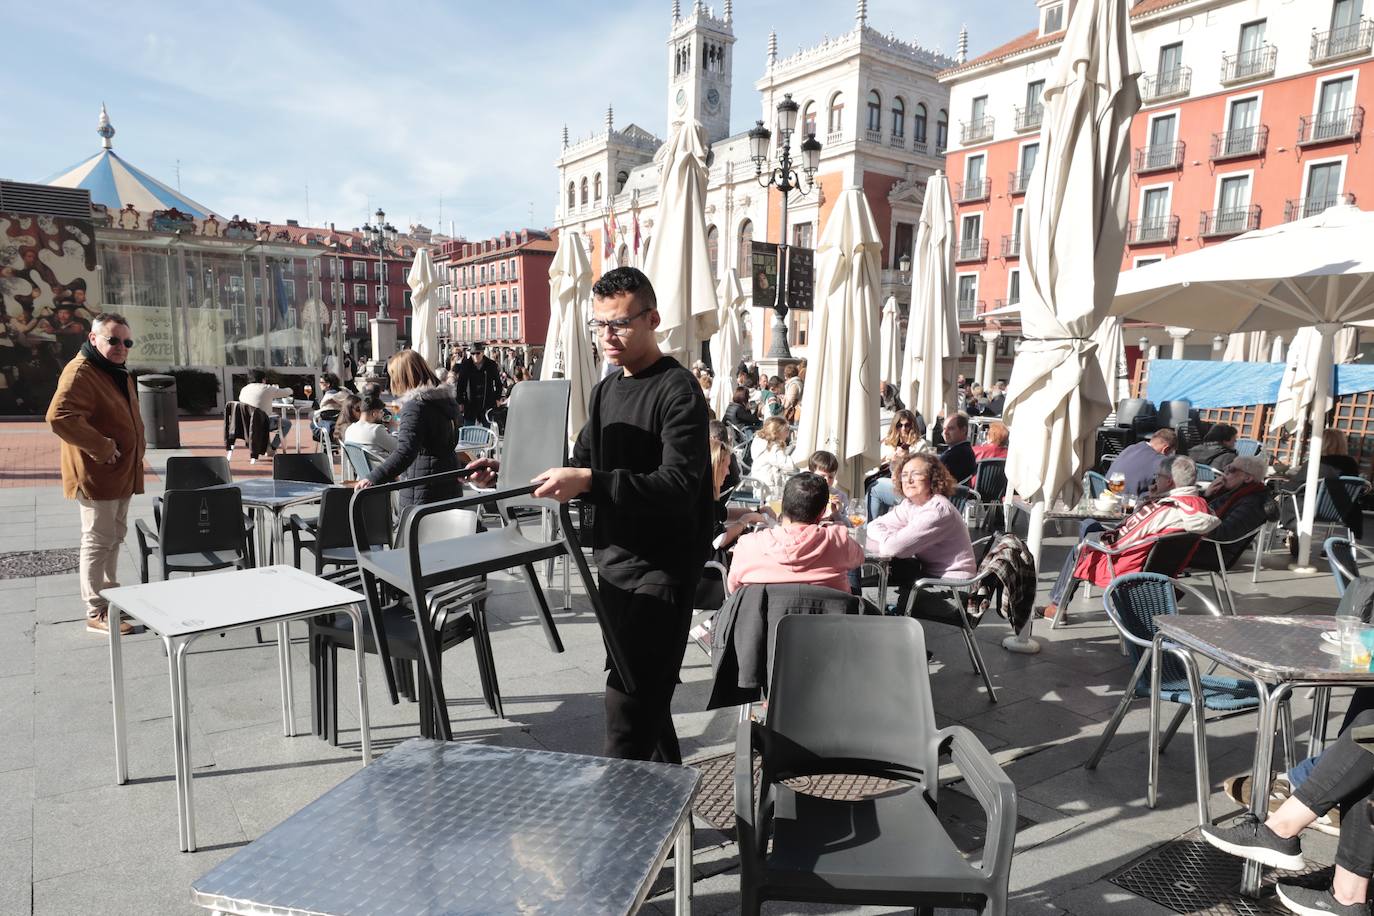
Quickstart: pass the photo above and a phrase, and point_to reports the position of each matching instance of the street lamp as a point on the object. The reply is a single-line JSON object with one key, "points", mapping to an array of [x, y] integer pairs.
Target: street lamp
{"points": [[379, 237], [785, 178]]}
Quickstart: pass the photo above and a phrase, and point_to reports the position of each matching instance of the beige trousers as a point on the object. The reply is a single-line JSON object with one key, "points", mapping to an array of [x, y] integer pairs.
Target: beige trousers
{"points": [[104, 522]]}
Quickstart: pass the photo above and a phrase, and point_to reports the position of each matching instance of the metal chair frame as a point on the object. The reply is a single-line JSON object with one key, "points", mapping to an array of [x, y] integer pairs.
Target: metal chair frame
{"points": [[1220, 572], [1326, 516], [1112, 553]]}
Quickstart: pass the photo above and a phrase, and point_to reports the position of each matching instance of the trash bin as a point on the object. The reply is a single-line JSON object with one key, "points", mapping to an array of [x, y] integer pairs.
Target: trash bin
{"points": [[157, 401]]}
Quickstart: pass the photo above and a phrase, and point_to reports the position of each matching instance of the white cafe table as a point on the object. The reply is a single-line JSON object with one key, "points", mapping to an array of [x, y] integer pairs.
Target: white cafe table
{"points": [[181, 610], [298, 409]]}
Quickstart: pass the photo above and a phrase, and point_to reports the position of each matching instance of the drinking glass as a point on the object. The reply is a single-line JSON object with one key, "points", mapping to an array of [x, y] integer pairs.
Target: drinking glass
{"points": [[1116, 483]]}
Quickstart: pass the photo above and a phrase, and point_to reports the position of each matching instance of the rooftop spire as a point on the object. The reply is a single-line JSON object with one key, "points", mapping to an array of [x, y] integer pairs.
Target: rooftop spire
{"points": [[772, 47], [861, 14], [729, 11], [610, 118], [104, 128], [962, 54], [677, 11], [565, 136]]}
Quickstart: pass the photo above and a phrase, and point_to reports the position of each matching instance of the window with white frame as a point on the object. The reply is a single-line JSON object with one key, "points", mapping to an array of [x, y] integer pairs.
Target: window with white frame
{"points": [[1013, 286], [360, 321], [1053, 19], [505, 326], [515, 325], [515, 299], [968, 293]]}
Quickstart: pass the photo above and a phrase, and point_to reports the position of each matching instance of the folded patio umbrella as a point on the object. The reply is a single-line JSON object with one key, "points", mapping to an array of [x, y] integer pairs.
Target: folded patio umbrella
{"points": [[890, 344], [423, 281], [1247, 347], [930, 357], [727, 345], [568, 348]]}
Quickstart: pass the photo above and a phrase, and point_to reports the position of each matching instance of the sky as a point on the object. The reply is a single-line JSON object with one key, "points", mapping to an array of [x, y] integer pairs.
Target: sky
{"points": [[322, 112]]}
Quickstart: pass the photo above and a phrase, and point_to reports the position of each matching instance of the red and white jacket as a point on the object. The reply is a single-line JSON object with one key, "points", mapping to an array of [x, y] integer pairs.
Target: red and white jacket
{"points": [[1183, 509]]}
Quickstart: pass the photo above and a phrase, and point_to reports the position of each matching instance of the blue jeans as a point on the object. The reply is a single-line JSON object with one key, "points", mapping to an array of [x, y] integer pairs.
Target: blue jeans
{"points": [[882, 496], [1064, 587]]}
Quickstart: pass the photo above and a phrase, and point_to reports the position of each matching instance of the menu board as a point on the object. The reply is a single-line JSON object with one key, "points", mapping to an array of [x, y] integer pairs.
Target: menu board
{"points": [[764, 270], [801, 278]]}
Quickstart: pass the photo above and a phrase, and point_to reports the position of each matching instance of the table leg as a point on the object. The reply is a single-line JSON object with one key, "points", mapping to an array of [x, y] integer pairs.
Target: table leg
{"points": [[1260, 774], [355, 613], [117, 699], [179, 764], [185, 711], [1152, 779], [682, 867], [288, 698]]}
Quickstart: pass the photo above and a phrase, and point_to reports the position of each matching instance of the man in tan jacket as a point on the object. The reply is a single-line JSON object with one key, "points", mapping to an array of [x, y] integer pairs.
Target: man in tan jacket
{"points": [[95, 414]]}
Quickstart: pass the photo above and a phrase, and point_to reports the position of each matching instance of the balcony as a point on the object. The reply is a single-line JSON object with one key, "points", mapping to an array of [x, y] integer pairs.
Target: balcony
{"points": [[1017, 182], [1154, 231], [834, 137], [970, 191], [1346, 41], [1257, 63], [873, 136], [897, 141], [975, 131], [971, 250], [1330, 126], [970, 309], [1303, 207], [1003, 303], [920, 146], [1237, 144], [1011, 246], [1159, 157], [1029, 118], [1233, 221], [1166, 84]]}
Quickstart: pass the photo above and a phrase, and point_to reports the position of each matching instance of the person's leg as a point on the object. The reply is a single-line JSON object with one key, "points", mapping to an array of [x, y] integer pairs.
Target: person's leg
{"points": [[1065, 585], [103, 523], [882, 496], [120, 529], [651, 623]]}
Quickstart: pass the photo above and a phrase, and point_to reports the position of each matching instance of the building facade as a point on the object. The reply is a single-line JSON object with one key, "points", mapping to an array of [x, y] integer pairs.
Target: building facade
{"points": [[1252, 115], [499, 290], [873, 101]]}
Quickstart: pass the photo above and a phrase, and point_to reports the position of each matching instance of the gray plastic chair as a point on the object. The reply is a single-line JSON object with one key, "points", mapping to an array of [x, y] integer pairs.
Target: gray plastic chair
{"points": [[851, 694], [200, 531], [360, 460]]}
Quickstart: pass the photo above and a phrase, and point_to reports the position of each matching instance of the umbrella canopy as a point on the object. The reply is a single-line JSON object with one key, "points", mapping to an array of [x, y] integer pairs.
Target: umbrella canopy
{"points": [[727, 346], [1111, 359], [840, 410], [1316, 272], [1298, 388], [568, 350], [890, 344], [1075, 233], [930, 359], [678, 263], [423, 281]]}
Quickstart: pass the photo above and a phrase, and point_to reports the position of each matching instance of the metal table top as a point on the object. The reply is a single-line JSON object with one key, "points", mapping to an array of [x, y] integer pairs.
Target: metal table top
{"points": [[442, 827], [278, 494], [1272, 649]]}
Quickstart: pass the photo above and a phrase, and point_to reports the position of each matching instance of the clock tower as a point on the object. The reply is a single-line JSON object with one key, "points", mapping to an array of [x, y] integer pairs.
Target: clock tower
{"points": [[700, 49]]}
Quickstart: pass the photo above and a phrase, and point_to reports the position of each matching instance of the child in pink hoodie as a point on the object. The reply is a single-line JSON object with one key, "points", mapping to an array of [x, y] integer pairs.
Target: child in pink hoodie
{"points": [[800, 549]]}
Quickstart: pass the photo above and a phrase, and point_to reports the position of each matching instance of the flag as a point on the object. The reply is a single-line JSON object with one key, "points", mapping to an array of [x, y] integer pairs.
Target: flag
{"points": [[636, 215], [606, 238]]}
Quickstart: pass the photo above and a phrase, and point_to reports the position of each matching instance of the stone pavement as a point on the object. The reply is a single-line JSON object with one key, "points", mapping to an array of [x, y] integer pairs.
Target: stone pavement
{"points": [[72, 842]]}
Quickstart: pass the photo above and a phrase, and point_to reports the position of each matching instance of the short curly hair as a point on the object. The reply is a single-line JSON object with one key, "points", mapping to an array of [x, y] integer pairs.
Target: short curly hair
{"points": [[942, 482], [626, 281]]}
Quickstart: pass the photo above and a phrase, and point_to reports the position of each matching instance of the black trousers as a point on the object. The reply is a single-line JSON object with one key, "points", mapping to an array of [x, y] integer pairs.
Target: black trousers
{"points": [[1344, 777], [651, 623]]}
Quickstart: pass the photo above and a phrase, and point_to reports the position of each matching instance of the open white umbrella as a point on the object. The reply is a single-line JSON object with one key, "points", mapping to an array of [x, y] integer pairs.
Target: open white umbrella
{"points": [[568, 350], [423, 281], [930, 359], [727, 346], [840, 410], [678, 262], [890, 344], [1075, 221], [1317, 271]]}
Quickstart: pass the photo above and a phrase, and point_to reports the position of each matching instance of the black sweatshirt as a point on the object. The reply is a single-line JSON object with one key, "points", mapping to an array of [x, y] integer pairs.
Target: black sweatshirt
{"points": [[646, 444]]}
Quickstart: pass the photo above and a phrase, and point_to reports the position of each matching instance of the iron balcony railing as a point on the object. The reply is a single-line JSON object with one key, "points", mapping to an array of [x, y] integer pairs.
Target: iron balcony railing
{"points": [[968, 191], [1303, 207], [1228, 221], [1003, 303], [971, 250], [1151, 231], [1166, 84], [1344, 41], [1328, 126], [1017, 182], [969, 309], [1243, 141], [1159, 156], [1255, 63], [1011, 246], [975, 131], [1029, 118]]}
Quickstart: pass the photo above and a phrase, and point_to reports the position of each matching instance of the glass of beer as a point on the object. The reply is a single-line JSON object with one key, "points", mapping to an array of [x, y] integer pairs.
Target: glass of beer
{"points": [[855, 511], [1116, 483]]}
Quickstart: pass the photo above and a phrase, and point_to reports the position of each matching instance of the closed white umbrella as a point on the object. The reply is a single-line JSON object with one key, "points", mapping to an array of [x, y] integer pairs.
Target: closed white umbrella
{"points": [[678, 263], [890, 344], [727, 346], [1111, 359], [568, 350], [840, 410], [423, 281], [314, 323], [1316, 272], [1075, 222], [1247, 347], [1298, 388], [930, 359]]}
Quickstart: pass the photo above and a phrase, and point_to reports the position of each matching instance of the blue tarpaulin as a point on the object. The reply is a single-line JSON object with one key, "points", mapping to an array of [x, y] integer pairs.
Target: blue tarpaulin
{"points": [[1211, 383]]}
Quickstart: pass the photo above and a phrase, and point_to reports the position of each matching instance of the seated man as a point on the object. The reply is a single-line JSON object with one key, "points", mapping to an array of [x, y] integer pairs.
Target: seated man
{"points": [[1139, 462], [958, 457], [261, 395], [1218, 448], [1241, 501], [1180, 508], [800, 549]]}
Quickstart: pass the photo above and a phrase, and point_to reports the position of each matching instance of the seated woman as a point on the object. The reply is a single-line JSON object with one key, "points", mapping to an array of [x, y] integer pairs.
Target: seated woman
{"points": [[801, 549], [427, 436], [771, 464], [1180, 508], [740, 413], [370, 431], [926, 527], [902, 440], [995, 445], [1335, 463], [1241, 501]]}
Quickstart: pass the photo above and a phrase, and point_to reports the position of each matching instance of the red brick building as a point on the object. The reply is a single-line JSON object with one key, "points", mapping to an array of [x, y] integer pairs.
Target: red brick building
{"points": [[498, 289]]}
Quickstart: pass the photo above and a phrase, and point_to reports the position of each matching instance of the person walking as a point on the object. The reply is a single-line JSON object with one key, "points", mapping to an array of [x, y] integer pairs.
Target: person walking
{"points": [[478, 386], [95, 414]]}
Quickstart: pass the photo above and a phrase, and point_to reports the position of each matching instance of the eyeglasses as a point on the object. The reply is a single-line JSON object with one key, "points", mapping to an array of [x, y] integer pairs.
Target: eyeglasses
{"points": [[596, 325], [127, 342], [914, 476]]}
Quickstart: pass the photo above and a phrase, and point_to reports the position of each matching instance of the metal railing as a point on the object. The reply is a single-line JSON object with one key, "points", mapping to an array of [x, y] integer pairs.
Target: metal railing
{"points": [[970, 308], [1326, 126], [976, 130], [1152, 231], [1243, 141], [1303, 207], [1347, 40], [1249, 65], [1166, 84], [1158, 157], [967, 191], [1011, 246], [1017, 182], [1030, 117], [1228, 221], [971, 250], [1003, 303]]}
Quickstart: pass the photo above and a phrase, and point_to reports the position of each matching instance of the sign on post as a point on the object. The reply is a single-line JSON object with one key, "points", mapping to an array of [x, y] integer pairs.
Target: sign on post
{"points": [[764, 270]]}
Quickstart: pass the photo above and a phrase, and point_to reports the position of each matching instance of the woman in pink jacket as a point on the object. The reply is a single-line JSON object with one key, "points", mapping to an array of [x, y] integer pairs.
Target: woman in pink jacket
{"points": [[800, 549]]}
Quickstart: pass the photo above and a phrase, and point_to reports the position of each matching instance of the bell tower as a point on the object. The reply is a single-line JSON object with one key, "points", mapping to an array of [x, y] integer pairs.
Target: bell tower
{"points": [[700, 68]]}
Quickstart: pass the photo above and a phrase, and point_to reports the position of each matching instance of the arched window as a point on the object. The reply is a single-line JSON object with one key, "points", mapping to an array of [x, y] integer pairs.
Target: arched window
{"points": [[584, 192], [713, 248], [875, 110], [918, 123], [836, 120], [808, 119], [596, 188], [898, 117], [622, 257], [746, 248], [942, 130], [620, 178]]}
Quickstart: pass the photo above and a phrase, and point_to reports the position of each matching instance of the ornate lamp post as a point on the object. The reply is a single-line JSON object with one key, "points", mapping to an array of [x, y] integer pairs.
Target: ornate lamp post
{"points": [[784, 177], [380, 237]]}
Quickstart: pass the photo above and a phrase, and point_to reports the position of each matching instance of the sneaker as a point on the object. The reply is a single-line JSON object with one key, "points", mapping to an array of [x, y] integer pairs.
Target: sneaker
{"points": [[1317, 902], [1250, 839], [1237, 788], [101, 624]]}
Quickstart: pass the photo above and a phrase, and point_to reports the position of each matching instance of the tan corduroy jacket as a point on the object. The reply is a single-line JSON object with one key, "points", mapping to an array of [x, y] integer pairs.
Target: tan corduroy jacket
{"points": [[91, 417]]}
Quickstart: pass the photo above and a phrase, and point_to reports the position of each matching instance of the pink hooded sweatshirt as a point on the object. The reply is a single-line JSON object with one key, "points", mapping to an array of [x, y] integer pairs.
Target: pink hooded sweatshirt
{"points": [[811, 554]]}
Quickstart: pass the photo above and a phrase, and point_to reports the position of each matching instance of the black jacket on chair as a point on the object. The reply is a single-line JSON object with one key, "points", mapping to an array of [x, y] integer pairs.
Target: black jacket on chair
{"points": [[426, 438]]}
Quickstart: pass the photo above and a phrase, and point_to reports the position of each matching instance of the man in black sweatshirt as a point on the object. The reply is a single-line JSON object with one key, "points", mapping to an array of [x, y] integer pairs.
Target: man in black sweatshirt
{"points": [[643, 462]]}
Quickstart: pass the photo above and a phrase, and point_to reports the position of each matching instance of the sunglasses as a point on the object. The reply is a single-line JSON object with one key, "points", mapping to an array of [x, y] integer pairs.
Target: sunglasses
{"points": [[126, 342]]}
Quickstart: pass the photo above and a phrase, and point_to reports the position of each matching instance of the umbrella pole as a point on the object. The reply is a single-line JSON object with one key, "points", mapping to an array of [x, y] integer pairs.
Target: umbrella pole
{"points": [[1023, 643], [1325, 362]]}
